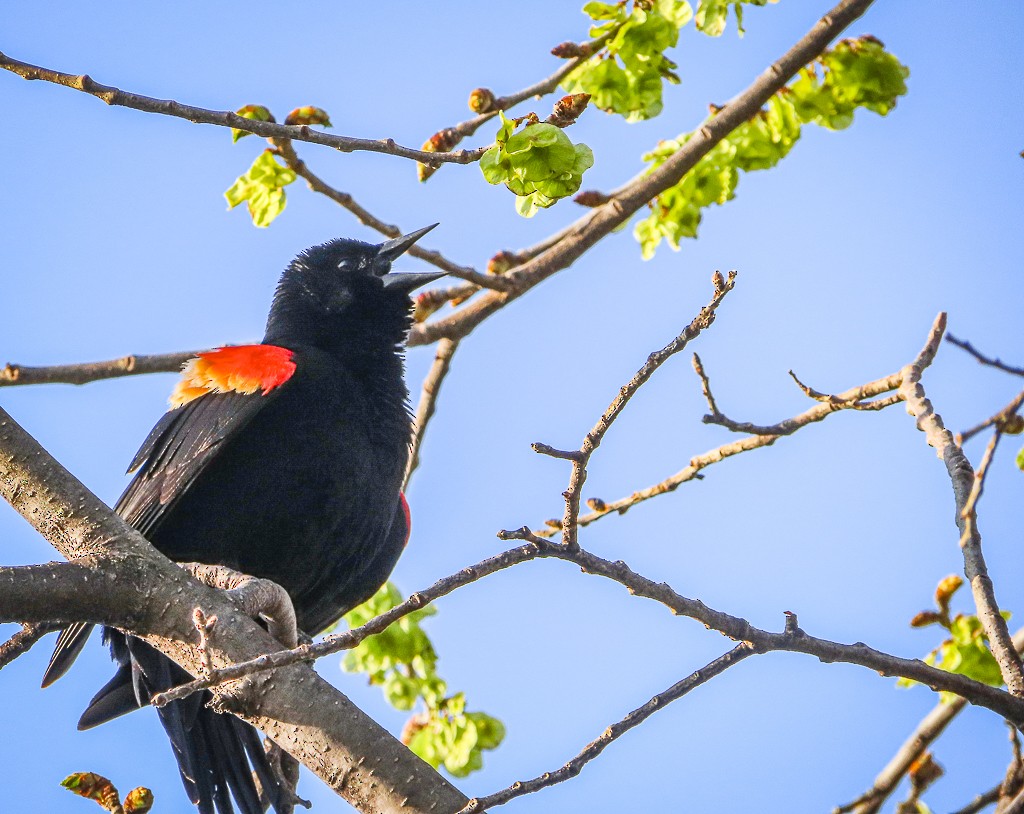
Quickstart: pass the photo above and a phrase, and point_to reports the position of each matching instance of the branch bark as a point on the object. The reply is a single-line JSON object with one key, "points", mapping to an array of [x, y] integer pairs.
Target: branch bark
{"points": [[153, 597]]}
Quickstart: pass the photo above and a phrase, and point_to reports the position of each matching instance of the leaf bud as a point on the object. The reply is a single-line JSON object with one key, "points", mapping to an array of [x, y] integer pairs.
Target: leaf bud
{"points": [[482, 100]]}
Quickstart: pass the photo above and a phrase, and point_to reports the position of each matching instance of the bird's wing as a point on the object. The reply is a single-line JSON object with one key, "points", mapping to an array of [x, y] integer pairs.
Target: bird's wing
{"points": [[219, 393]]}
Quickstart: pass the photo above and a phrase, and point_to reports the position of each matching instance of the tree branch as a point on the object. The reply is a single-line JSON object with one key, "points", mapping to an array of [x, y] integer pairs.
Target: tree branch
{"points": [[965, 482], [22, 641], [926, 733], [83, 372], [592, 440], [616, 730], [225, 118], [317, 184], [300, 711], [584, 233], [854, 398], [428, 401], [982, 358]]}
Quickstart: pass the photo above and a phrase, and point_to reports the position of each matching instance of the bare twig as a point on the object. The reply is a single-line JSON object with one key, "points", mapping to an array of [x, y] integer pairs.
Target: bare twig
{"points": [[854, 398], [287, 152], [982, 801], [84, 372], [22, 641], [616, 730], [982, 358], [592, 440], [1001, 420], [965, 483], [451, 136], [428, 400], [225, 118]]}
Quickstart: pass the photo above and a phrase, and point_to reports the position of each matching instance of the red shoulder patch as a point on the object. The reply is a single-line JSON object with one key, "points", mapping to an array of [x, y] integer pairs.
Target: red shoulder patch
{"points": [[239, 369], [408, 517]]}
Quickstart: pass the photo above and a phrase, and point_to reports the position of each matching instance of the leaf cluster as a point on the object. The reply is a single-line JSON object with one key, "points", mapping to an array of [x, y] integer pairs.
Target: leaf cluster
{"points": [[856, 73], [402, 661], [966, 650], [539, 163], [96, 787]]}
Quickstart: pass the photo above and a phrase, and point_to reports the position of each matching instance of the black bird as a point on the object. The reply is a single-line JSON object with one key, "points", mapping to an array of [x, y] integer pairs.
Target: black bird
{"points": [[282, 460]]}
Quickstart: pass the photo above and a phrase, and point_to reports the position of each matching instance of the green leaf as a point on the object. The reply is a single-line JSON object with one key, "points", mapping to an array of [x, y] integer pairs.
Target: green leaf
{"points": [[1020, 459], [262, 187], [856, 73], [539, 164], [402, 661], [626, 77], [255, 112]]}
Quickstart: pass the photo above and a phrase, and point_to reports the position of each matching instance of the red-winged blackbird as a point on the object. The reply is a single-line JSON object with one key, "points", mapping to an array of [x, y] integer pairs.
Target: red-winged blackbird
{"points": [[282, 460]]}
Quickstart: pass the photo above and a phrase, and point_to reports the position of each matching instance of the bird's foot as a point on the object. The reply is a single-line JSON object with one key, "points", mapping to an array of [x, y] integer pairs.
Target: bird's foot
{"points": [[286, 768], [258, 598]]}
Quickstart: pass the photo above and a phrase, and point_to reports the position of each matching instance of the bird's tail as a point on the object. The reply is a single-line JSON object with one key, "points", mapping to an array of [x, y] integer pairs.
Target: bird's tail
{"points": [[217, 755]]}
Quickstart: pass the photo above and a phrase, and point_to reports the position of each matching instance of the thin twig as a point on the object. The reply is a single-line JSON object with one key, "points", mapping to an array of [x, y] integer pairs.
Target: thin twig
{"points": [[451, 136], [982, 801], [1001, 420], [965, 483], [287, 152], [616, 730], [428, 401], [22, 641], [225, 118], [592, 440], [83, 372], [854, 398], [982, 358]]}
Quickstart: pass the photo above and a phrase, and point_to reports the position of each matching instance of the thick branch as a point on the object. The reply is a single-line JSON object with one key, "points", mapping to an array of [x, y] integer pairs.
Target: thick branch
{"points": [[601, 221], [225, 118], [306, 716], [964, 482]]}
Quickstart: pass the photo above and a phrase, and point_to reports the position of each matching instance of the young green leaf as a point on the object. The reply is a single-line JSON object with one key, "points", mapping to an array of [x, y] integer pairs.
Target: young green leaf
{"points": [[403, 662], [262, 187], [539, 164], [255, 112]]}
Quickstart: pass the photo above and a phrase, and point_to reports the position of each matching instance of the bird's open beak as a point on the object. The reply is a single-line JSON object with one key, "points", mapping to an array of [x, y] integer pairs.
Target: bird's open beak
{"points": [[411, 280], [393, 249]]}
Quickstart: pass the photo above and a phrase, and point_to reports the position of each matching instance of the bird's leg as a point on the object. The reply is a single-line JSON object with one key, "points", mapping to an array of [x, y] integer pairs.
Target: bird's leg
{"points": [[287, 770], [258, 598]]}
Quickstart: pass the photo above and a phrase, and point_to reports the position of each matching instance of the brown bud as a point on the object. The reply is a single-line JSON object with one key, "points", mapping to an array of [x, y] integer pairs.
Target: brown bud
{"points": [[1013, 425], [308, 115], [945, 590], [591, 197], [426, 304], [441, 142], [925, 618], [567, 50], [501, 262], [596, 504], [481, 100], [138, 801], [554, 524], [413, 726], [924, 771], [568, 109]]}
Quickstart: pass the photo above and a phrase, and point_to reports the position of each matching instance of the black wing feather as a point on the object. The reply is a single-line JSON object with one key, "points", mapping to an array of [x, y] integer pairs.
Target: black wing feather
{"points": [[179, 448]]}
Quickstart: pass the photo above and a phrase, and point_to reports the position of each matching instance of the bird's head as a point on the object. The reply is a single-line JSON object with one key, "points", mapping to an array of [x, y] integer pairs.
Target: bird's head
{"points": [[344, 296]]}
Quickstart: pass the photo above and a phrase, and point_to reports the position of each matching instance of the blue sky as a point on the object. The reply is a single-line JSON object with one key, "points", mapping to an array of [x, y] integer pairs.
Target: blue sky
{"points": [[116, 240]]}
